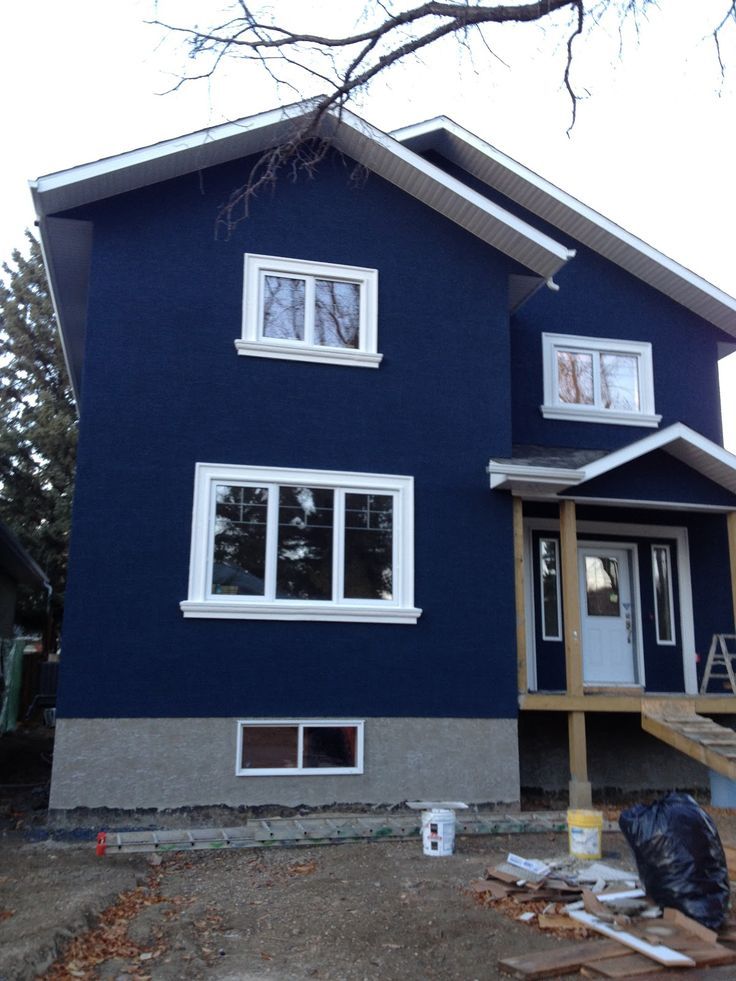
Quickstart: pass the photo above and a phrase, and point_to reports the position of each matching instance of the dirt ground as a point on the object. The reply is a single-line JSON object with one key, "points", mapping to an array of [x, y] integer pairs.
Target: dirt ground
{"points": [[363, 910]]}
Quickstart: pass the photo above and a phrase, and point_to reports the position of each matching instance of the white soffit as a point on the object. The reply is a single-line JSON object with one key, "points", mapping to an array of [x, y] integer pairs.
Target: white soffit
{"points": [[565, 212]]}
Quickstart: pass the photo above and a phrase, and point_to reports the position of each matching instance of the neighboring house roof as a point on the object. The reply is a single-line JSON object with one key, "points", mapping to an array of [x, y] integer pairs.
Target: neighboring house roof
{"points": [[17, 563], [565, 212], [551, 472], [67, 244]]}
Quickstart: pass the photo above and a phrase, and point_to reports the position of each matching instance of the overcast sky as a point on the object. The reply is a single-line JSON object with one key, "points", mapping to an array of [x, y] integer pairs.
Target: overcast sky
{"points": [[654, 146]]}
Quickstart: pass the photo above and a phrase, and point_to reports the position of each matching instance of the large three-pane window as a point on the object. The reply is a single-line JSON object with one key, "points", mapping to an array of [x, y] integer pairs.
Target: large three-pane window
{"points": [[309, 311], [301, 544], [594, 379]]}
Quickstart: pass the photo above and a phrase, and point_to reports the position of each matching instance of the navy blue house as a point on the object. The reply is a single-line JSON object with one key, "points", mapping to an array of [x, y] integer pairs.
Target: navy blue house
{"points": [[405, 478]]}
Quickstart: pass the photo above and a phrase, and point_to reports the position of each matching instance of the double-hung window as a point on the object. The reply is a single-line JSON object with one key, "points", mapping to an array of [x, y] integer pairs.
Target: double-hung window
{"points": [[284, 544], [309, 311], [593, 379]]}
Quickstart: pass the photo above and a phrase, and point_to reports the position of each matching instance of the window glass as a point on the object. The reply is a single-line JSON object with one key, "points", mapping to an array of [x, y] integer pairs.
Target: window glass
{"points": [[620, 382], [337, 314], [369, 546], [575, 377], [283, 307], [304, 566], [239, 559], [663, 593], [549, 571], [601, 586], [329, 746], [270, 747]]}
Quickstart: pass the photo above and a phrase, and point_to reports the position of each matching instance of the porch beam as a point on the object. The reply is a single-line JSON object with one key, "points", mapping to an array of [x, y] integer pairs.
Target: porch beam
{"points": [[548, 702], [571, 598], [518, 506], [731, 524], [579, 789]]}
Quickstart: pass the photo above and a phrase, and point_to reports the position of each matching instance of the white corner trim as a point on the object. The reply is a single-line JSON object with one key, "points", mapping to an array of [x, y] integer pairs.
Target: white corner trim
{"points": [[324, 355]]}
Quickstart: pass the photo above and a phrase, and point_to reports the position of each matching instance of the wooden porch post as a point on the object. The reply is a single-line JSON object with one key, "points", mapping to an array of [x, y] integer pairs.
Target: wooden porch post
{"points": [[580, 789], [518, 506], [731, 522]]}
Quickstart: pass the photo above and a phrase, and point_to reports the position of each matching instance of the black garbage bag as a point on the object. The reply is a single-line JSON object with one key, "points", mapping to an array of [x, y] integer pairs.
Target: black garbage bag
{"points": [[680, 857]]}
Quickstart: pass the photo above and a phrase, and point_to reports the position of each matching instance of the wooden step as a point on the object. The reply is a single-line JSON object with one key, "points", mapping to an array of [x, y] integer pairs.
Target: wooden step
{"points": [[676, 723]]}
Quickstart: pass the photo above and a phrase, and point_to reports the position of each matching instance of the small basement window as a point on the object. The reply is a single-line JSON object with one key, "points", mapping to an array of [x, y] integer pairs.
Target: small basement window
{"points": [[299, 310], [291, 748], [593, 379]]}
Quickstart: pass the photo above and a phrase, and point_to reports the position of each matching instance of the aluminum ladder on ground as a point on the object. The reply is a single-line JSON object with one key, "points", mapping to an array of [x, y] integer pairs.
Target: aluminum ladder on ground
{"points": [[319, 830], [721, 658]]}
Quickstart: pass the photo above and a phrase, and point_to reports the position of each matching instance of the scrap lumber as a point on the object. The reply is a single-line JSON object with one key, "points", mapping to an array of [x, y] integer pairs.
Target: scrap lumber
{"points": [[554, 963], [627, 966], [657, 952], [678, 919]]}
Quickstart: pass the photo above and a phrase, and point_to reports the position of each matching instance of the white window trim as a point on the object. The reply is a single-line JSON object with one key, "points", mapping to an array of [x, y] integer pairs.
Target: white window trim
{"points": [[641, 350], [254, 344], [673, 634], [545, 635], [300, 771], [201, 603]]}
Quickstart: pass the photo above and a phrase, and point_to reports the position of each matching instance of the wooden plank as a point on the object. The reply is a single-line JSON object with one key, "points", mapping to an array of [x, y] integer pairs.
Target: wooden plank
{"points": [[657, 952], [553, 963], [571, 598], [731, 526], [580, 788], [679, 919], [628, 966], [668, 732], [522, 680], [547, 702]]}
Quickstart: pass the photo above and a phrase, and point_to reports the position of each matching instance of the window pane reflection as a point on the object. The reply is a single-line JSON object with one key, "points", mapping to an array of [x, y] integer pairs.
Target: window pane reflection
{"points": [[550, 588], [239, 562], [304, 566], [601, 586], [328, 746], [270, 747], [663, 592], [620, 382], [283, 307], [337, 314], [369, 546], [575, 377]]}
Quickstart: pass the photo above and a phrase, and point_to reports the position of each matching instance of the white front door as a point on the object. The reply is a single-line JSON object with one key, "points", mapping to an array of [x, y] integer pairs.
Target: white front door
{"points": [[607, 615]]}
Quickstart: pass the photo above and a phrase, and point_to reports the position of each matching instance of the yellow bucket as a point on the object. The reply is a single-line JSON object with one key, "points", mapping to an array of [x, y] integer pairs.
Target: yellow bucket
{"points": [[584, 832]]}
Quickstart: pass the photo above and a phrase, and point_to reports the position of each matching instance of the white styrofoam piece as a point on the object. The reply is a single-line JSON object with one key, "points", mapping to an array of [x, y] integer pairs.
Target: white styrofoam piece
{"points": [[528, 864]]}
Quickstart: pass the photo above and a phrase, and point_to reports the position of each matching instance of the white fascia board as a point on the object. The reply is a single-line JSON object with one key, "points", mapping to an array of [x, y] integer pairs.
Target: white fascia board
{"points": [[505, 475], [722, 307], [371, 147]]}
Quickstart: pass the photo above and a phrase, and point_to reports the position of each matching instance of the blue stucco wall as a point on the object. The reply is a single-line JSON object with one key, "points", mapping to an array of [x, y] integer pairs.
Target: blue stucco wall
{"points": [[164, 388], [599, 299]]}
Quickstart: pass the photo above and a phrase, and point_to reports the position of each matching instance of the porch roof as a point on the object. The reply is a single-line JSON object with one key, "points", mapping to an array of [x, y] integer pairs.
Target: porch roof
{"points": [[552, 473]]}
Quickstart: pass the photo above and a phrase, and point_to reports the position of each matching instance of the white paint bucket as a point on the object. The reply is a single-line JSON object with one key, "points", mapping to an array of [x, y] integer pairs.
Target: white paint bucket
{"points": [[438, 832]]}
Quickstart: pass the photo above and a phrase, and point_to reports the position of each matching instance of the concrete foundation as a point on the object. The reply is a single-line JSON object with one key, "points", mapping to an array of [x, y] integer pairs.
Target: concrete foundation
{"points": [[170, 763]]}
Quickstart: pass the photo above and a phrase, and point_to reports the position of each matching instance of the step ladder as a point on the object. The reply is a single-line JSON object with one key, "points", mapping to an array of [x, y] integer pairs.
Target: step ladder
{"points": [[320, 830], [720, 658]]}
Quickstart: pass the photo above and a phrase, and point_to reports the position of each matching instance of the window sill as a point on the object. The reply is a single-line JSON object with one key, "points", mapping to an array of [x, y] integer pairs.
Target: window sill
{"points": [[577, 414], [342, 356], [325, 771], [343, 613]]}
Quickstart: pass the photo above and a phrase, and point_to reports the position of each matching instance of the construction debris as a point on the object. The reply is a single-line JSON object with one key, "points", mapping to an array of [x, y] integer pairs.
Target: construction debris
{"points": [[641, 938]]}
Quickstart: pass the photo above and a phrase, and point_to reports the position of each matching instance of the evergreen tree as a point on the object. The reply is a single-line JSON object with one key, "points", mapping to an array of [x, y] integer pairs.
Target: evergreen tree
{"points": [[38, 427]]}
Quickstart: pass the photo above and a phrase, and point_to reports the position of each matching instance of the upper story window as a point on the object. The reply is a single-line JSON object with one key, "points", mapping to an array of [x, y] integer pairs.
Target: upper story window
{"points": [[309, 311], [283, 544], [593, 379]]}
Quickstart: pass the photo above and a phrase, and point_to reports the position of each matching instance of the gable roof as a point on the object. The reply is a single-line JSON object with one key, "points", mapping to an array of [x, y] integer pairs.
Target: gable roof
{"points": [[549, 477], [67, 244], [17, 563], [565, 212]]}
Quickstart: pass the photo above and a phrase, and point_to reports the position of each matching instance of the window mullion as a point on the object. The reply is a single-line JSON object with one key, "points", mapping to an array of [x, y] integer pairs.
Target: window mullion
{"points": [[338, 547], [272, 541], [300, 748], [597, 394], [309, 311]]}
